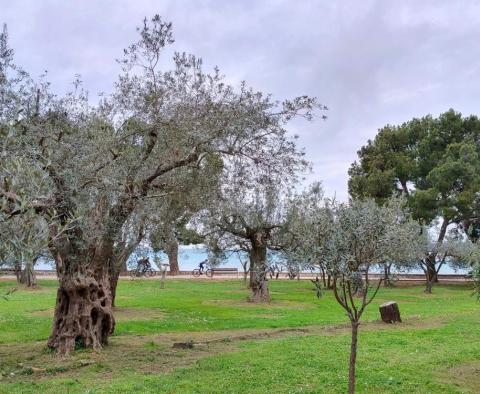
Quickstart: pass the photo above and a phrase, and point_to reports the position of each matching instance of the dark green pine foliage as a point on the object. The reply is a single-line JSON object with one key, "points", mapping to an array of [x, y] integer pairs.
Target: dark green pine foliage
{"points": [[434, 161]]}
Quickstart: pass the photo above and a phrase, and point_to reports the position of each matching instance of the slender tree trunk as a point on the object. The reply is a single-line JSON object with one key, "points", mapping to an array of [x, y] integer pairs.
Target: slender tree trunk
{"points": [[431, 260], [113, 286], [329, 282], [258, 273], [431, 270], [251, 272], [245, 271], [324, 279], [172, 253], [434, 278], [353, 358], [123, 251], [18, 271], [386, 275], [114, 277], [115, 269], [404, 187], [83, 313], [429, 286]]}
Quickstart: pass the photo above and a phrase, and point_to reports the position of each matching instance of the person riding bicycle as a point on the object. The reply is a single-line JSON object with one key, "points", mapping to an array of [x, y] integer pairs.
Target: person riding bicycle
{"points": [[201, 266], [143, 265]]}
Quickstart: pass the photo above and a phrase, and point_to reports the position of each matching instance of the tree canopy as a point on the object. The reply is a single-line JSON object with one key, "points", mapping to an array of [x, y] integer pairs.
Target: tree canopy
{"points": [[435, 163], [85, 169]]}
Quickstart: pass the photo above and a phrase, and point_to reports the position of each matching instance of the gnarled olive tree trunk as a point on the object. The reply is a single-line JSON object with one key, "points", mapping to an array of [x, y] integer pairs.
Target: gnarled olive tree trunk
{"points": [[258, 271], [27, 276], [83, 312], [171, 249]]}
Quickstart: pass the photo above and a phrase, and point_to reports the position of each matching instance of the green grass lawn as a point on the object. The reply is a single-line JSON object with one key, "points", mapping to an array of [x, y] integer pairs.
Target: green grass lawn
{"points": [[246, 348]]}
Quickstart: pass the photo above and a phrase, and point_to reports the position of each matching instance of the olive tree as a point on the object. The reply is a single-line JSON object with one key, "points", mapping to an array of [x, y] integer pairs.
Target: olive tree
{"points": [[247, 215], [309, 217], [352, 239], [168, 218], [23, 238], [86, 169], [23, 245], [455, 249], [366, 235]]}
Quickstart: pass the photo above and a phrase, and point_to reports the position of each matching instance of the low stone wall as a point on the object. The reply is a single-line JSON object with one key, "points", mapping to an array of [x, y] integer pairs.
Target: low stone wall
{"points": [[444, 278]]}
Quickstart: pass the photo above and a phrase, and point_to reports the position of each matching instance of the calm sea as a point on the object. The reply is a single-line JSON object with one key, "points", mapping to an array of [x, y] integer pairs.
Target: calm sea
{"points": [[190, 256]]}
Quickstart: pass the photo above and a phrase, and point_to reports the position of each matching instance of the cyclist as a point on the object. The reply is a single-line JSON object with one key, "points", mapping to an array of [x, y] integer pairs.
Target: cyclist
{"points": [[143, 265], [201, 266]]}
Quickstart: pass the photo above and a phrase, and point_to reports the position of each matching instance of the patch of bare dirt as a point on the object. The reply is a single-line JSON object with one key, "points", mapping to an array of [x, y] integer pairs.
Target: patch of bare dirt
{"points": [[159, 353], [465, 376]]}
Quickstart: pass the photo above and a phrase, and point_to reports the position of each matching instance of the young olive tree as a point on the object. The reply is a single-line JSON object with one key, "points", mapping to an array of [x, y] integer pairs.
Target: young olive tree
{"points": [[354, 238], [454, 250], [23, 237], [88, 169], [309, 218], [22, 246], [366, 235], [463, 253]]}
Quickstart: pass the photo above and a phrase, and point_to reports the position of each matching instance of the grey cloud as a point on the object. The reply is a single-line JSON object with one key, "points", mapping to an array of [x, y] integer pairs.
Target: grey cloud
{"points": [[371, 62]]}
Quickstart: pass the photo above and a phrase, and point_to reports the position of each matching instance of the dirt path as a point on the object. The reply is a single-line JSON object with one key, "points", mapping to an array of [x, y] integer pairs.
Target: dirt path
{"points": [[158, 353]]}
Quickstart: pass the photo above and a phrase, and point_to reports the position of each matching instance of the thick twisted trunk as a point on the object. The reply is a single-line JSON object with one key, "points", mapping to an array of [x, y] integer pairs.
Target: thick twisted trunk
{"points": [[260, 291], [83, 313], [258, 273], [172, 252]]}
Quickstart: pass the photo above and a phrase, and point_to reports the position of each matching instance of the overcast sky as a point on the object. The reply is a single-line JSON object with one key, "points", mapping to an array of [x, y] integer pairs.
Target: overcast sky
{"points": [[370, 62]]}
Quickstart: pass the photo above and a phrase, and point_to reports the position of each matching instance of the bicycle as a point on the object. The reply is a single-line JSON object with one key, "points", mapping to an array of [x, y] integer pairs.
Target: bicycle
{"points": [[196, 272], [137, 273]]}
